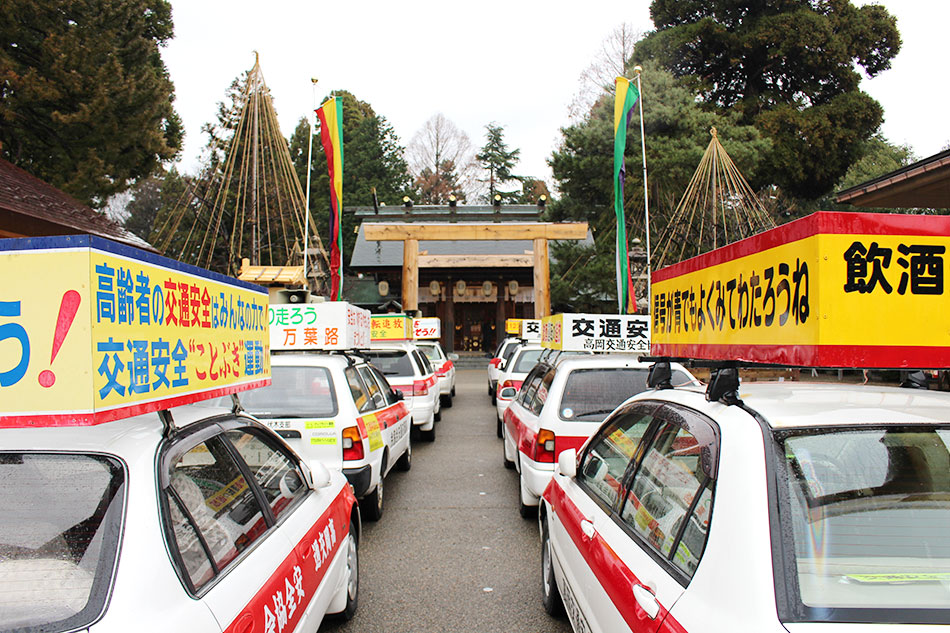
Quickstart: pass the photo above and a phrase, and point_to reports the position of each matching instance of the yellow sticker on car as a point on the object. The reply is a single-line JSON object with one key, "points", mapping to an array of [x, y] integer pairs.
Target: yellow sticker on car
{"points": [[319, 440], [319, 424], [372, 431]]}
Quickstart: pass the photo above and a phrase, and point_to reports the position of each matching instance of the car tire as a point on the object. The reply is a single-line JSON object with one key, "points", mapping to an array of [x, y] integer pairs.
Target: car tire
{"points": [[452, 395], [353, 574], [372, 504], [550, 595], [438, 416], [494, 398], [499, 424], [446, 401], [526, 511], [428, 436], [404, 462]]}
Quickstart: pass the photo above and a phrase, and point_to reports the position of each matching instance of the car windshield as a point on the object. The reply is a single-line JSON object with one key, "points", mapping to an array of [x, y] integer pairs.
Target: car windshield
{"points": [[394, 362], [526, 360], [869, 523], [59, 536], [295, 391]]}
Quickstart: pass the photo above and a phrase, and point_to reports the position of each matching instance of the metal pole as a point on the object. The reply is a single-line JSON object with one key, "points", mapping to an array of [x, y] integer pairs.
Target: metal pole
{"points": [[646, 199], [306, 211]]}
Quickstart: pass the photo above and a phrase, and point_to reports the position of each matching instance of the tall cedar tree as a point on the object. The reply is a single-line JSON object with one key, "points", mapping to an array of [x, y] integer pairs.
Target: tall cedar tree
{"points": [[85, 99], [499, 161], [372, 157], [153, 198], [677, 133], [787, 67]]}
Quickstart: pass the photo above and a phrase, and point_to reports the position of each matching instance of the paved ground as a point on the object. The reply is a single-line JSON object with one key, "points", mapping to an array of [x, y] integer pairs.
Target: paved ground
{"points": [[451, 552]]}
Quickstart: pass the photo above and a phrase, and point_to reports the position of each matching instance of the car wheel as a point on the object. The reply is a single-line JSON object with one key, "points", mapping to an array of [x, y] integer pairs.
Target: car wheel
{"points": [[453, 392], [494, 399], [428, 436], [491, 391], [499, 424], [404, 463], [504, 451], [550, 596], [353, 574], [526, 511], [372, 503], [438, 416], [446, 401]]}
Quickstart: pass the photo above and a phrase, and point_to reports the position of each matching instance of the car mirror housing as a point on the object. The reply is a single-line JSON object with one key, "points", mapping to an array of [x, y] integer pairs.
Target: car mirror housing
{"points": [[453, 357], [567, 463], [399, 395], [319, 475]]}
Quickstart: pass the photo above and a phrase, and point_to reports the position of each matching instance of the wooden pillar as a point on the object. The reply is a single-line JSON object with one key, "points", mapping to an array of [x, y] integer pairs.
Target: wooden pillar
{"points": [[448, 324], [542, 279], [499, 315], [410, 275]]}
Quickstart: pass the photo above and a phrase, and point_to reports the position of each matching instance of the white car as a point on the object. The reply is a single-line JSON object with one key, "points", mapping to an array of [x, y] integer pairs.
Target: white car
{"points": [[408, 370], [444, 369], [767, 507], [201, 520], [337, 409], [561, 403], [497, 363], [522, 361]]}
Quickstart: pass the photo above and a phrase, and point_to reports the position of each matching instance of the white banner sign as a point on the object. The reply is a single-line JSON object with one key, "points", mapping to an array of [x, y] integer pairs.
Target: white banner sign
{"points": [[334, 325], [530, 329], [596, 332], [427, 328]]}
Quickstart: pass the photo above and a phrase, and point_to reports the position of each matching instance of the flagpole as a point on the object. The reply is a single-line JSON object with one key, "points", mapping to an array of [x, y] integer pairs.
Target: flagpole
{"points": [[306, 211], [646, 200]]}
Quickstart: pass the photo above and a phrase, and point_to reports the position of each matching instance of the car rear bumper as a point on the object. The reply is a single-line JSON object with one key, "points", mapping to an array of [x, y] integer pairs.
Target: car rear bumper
{"points": [[360, 478], [536, 476]]}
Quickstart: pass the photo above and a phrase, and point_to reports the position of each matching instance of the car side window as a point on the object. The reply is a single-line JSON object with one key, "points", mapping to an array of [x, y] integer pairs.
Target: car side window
{"points": [[375, 393], [423, 362], [214, 512], [528, 388], [275, 472], [361, 398], [670, 496], [388, 393], [540, 395], [609, 454]]}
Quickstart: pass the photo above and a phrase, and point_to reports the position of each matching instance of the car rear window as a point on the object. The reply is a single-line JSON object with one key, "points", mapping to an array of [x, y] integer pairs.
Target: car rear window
{"points": [[590, 394], [432, 352], [295, 391], [526, 360], [59, 535], [391, 362], [867, 531]]}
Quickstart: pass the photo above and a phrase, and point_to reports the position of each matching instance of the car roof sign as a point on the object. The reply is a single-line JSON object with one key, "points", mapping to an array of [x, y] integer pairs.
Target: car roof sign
{"points": [[530, 329], [828, 290], [575, 332], [99, 331], [427, 328], [391, 327], [326, 326]]}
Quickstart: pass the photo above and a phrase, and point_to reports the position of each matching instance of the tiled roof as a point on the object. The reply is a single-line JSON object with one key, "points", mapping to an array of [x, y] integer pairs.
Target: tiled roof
{"points": [[24, 195]]}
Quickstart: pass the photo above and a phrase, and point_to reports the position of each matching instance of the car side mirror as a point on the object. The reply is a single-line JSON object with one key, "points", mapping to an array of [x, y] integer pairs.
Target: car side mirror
{"points": [[399, 395], [567, 463], [319, 475], [507, 393], [453, 356]]}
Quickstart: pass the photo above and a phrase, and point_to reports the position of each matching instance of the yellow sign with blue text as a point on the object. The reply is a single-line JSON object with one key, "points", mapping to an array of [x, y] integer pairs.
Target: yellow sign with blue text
{"points": [[93, 331], [828, 290]]}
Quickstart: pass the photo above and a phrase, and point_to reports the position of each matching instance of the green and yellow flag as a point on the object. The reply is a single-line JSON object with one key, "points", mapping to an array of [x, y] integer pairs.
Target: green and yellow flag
{"points": [[624, 102]]}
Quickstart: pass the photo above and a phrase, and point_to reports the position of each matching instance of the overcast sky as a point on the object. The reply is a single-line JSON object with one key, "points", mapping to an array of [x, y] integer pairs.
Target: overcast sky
{"points": [[514, 62]]}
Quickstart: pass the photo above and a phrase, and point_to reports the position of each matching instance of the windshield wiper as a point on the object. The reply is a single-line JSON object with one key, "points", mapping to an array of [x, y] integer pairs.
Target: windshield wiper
{"points": [[594, 412]]}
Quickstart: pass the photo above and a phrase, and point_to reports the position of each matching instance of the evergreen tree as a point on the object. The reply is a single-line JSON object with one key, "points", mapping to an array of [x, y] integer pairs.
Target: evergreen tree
{"points": [[499, 161], [154, 198], [787, 67], [372, 158], [85, 99]]}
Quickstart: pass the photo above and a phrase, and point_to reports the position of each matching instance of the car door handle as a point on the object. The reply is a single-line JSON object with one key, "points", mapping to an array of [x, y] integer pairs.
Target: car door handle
{"points": [[587, 527], [646, 600]]}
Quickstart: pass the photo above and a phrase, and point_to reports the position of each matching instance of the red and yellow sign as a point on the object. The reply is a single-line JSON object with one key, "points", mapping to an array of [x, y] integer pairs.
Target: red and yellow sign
{"points": [[390, 327], [828, 290], [93, 331]]}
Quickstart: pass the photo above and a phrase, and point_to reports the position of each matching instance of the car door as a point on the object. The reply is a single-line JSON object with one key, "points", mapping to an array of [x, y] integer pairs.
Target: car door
{"points": [[389, 415], [641, 528]]}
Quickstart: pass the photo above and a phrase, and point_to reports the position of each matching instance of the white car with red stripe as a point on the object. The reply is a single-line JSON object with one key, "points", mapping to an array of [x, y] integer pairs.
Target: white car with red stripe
{"points": [[496, 365], [202, 520], [560, 404], [522, 361], [337, 409], [444, 369], [767, 507], [408, 370]]}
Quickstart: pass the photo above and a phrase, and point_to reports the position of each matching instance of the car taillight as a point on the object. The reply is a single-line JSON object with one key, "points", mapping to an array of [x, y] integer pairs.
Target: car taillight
{"points": [[545, 447], [420, 387], [352, 443]]}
